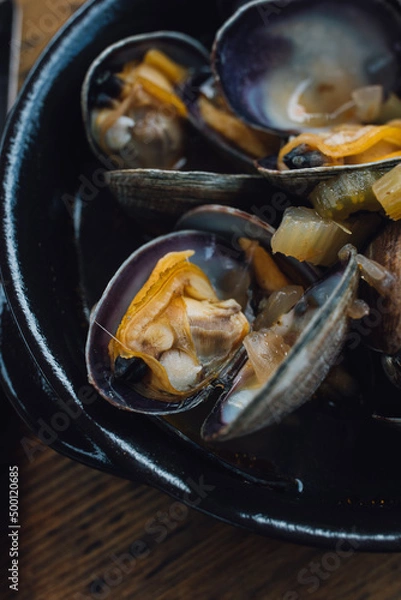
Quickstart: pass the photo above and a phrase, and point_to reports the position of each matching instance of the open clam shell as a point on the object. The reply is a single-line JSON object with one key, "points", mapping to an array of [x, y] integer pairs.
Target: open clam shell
{"points": [[294, 68], [318, 324], [323, 322], [211, 255], [217, 254], [270, 60], [100, 80]]}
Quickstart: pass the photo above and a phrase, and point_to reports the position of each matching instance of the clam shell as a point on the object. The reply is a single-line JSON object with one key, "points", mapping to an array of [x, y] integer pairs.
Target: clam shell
{"points": [[278, 50], [161, 196], [182, 48], [302, 371], [214, 236], [261, 44], [301, 182], [211, 254]]}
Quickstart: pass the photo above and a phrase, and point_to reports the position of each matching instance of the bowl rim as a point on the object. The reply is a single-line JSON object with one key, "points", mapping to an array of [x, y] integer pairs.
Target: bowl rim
{"points": [[158, 470]]}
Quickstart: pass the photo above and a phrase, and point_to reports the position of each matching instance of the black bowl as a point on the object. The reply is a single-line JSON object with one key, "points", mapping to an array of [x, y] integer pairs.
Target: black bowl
{"points": [[319, 477]]}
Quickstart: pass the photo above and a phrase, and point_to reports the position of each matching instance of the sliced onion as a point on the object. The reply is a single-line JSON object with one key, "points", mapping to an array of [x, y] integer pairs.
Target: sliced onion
{"points": [[276, 305], [266, 350]]}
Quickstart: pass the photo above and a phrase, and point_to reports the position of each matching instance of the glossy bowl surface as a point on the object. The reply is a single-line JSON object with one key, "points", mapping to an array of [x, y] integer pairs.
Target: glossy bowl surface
{"points": [[321, 477]]}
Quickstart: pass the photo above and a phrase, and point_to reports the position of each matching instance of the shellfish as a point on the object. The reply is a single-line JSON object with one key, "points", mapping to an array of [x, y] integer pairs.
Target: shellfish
{"points": [[141, 106], [292, 76], [132, 114], [179, 328], [151, 308], [212, 258]]}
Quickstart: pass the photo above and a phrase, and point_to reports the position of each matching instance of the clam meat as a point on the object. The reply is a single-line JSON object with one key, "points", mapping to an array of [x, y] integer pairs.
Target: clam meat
{"points": [[179, 328], [132, 112]]}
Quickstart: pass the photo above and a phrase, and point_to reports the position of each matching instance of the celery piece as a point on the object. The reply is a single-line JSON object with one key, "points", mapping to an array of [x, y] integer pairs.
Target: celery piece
{"points": [[307, 236], [340, 196], [387, 190]]}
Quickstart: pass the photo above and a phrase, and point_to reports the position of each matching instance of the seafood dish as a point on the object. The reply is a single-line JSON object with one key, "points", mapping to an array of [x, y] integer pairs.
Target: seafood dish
{"points": [[235, 303]]}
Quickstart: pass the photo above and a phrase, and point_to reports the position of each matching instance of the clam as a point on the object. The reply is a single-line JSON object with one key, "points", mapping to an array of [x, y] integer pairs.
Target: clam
{"points": [[221, 260], [139, 102], [306, 68], [157, 196], [205, 312], [211, 262], [132, 114]]}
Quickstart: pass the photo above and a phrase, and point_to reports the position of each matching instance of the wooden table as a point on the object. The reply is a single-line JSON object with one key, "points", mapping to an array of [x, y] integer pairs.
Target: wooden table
{"points": [[78, 525]]}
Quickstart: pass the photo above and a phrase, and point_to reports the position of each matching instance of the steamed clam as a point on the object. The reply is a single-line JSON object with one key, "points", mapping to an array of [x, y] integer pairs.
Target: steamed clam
{"points": [[140, 94], [309, 70], [196, 313], [212, 282], [179, 328], [141, 105], [132, 113]]}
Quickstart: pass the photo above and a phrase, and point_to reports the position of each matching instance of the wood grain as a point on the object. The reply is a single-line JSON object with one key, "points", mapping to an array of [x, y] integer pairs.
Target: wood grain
{"points": [[81, 528], [86, 534], [41, 19]]}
